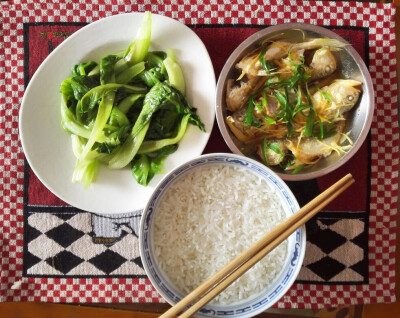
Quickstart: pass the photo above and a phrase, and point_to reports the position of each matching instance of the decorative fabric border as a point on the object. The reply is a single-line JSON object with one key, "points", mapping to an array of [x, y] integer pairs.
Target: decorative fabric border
{"points": [[379, 18]]}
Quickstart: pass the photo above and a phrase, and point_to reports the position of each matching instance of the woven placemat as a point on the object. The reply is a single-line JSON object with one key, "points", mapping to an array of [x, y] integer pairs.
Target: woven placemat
{"points": [[56, 253]]}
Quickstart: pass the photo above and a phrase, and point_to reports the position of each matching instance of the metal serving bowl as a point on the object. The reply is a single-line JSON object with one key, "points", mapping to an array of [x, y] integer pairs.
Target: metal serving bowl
{"points": [[350, 65]]}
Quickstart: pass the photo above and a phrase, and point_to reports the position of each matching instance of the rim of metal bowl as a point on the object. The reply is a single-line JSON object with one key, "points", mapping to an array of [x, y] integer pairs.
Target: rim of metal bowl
{"points": [[256, 37]]}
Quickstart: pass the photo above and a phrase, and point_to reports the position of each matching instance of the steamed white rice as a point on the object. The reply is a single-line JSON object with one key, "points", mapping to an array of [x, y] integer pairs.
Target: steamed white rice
{"points": [[206, 218]]}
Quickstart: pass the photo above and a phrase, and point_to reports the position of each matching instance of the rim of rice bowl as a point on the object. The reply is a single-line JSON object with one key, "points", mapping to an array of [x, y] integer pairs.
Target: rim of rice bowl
{"points": [[257, 302]]}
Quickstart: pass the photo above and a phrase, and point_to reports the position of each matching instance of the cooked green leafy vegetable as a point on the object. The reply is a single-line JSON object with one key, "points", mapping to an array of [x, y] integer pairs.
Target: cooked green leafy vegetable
{"points": [[145, 166], [128, 109]]}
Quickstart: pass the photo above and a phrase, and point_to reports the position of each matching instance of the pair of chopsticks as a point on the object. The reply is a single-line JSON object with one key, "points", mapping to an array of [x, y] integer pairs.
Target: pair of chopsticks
{"points": [[244, 261]]}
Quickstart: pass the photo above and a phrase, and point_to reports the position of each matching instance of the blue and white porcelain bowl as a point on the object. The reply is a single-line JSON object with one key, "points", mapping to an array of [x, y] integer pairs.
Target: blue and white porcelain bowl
{"points": [[257, 302]]}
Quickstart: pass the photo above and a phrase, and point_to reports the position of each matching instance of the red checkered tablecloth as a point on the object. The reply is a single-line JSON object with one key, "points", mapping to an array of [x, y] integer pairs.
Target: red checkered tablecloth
{"points": [[32, 218]]}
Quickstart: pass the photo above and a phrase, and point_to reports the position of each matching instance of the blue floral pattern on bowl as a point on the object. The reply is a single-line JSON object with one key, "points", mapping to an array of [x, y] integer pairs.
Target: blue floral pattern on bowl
{"points": [[257, 303]]}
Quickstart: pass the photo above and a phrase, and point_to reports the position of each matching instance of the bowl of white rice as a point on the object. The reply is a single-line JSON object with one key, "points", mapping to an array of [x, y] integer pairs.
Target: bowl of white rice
{"points": [[206, 212]]}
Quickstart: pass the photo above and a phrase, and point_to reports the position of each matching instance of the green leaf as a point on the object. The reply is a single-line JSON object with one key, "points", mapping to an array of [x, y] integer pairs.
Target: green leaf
{"points": [[264, 151], [138, 49], [298, 169], [282, 99], [152, 102], [130, 73], [118, 118], [74, 88], [123, 155], [158, 159], [300, 109], [249, 111], [175, 74], [107, 73], [154, 145], [310, 123], [128, 102], [266, 65], [70, 124], [85, 171], [115, 139], [144, 167], [164, 122], [83, 69], [288, 160], [325, 130], [269, 120], [140, 169], [94, 96], [275, 148], [325, 95], [103, 113], [152, 76], [156, 59], [290, 129]]}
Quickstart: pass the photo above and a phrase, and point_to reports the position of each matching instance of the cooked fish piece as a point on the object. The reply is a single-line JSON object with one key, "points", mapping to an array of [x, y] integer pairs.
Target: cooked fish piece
{"points": [[301, 150], [249, 134], [332, 101], [237, 94], [309, 150], [250, 64], [272, 156], [271, 105], [323, 64], [286, 66], [242, 132]]}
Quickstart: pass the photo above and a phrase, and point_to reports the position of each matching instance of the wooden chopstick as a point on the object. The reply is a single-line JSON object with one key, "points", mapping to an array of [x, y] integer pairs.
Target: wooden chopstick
{"points": [[257, 257], [244, 261]]}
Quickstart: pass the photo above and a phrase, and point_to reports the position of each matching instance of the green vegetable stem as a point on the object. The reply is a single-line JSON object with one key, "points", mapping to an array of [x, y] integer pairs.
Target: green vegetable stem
{"points": [[127, 110]]}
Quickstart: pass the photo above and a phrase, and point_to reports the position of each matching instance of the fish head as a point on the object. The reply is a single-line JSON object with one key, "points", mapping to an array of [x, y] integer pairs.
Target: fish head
{"points": [[345, 92], [323, 63]]}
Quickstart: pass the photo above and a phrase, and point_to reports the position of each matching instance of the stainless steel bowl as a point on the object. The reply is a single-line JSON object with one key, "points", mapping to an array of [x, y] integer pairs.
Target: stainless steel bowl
{"points": [[351, 65]]}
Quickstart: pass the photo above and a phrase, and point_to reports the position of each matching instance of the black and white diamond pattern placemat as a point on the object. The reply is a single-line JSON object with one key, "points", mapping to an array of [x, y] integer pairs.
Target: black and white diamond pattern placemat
{"points": [[336, 249], [64, 242], [71, 243]]}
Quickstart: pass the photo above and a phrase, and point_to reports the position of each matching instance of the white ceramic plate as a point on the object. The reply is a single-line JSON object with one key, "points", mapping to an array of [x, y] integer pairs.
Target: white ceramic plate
{"points": [[48, 148]]}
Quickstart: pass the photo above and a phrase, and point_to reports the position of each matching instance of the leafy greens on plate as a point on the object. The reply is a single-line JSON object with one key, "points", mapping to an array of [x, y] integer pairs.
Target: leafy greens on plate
{"points": [[128, 109]]}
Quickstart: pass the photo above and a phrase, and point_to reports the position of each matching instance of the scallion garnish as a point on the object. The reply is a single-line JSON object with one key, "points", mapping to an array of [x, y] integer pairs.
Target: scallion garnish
{"points": [[298, 169]]}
